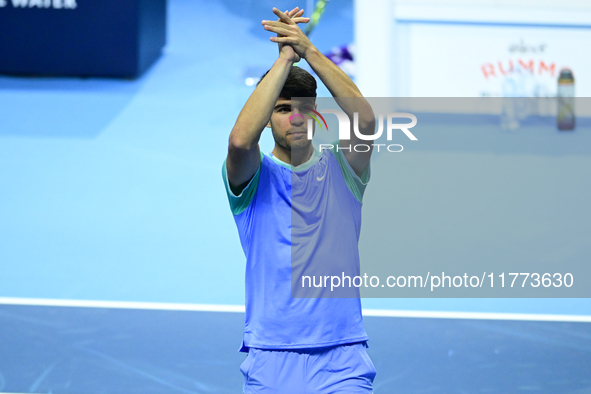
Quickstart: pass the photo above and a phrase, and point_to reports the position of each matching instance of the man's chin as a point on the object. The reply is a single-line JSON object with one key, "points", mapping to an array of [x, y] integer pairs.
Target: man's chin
{"points": [[300, 144]]}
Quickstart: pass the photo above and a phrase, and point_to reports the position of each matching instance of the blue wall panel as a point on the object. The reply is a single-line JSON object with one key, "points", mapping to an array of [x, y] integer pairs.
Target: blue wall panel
{"points": [[110, 38]]}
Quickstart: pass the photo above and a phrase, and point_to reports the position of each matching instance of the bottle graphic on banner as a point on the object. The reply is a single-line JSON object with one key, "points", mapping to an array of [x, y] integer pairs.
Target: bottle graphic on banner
{"points": [[565, 119]]}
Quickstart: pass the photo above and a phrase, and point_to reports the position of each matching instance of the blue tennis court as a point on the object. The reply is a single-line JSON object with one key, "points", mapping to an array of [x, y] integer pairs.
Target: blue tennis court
{"points": [[57, 349], [122, 270]]}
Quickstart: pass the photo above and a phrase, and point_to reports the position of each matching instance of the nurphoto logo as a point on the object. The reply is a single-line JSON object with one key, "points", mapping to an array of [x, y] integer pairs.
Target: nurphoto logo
{"points": [[345, 129]]}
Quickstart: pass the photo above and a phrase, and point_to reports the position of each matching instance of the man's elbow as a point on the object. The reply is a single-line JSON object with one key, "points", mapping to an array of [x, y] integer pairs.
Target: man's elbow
{"points": [[367, 123], [237, 141], [366, 118]]}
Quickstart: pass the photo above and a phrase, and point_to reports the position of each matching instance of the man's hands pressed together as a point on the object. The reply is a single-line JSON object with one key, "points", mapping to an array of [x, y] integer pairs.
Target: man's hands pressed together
{"points": [[293, 43]]}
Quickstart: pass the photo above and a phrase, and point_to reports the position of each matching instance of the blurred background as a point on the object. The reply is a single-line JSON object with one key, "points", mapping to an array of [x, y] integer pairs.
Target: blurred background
{"points": [[111, 188], [114, 122]]}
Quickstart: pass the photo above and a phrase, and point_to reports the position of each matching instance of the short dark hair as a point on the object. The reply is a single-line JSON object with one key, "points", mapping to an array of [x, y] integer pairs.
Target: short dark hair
{"points": [[299, 83]]}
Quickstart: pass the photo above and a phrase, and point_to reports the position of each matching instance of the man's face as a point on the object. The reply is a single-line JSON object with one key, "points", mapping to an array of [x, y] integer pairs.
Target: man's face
{"points": [[289, 123]]}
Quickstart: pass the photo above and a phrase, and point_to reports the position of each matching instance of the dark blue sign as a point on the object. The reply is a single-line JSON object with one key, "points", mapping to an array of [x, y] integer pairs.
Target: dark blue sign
{"points": [[109, 38]]}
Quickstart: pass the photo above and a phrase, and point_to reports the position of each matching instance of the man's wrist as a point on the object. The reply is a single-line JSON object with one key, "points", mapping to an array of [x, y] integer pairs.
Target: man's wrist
{"points": [[284, 61], [312, 53]]}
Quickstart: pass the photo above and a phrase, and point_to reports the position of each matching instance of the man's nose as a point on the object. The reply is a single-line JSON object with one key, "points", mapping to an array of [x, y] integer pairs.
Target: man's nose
{"points": [[296, 118]]}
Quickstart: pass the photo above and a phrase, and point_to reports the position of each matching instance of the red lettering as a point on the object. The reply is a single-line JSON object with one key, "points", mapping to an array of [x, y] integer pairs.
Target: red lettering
{"points": [[529, 66], [551, 68], [488, 69], [505, 72]]}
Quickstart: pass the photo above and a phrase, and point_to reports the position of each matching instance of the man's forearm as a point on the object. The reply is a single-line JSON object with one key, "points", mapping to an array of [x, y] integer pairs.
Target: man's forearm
{"points": [[258, 109], [350, 99], [340, 85]]}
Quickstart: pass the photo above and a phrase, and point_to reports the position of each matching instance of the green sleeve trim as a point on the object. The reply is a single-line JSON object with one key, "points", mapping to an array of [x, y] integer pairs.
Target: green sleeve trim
{"points": [[355, 183], [239, 203]]}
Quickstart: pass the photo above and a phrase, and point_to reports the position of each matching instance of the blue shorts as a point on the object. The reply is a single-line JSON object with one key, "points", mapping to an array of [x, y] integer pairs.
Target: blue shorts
{"points": [[337, 369]]}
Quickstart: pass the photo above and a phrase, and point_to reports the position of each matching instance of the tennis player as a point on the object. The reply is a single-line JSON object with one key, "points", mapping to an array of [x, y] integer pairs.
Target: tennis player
{"points": [[299, 345]]}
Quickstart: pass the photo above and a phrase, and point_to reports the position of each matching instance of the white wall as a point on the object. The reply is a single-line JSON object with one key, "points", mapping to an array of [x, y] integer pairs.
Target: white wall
{"points": [[460, 48]]}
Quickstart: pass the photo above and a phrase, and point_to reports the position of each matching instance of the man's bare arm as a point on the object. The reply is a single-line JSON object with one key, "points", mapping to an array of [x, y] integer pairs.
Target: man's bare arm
{"points": [[243, 150], [243, 145], [341, 86]]}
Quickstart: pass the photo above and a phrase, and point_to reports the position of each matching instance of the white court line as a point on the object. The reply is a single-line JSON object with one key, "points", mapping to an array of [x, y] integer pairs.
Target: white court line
{"points": [[240, 308], [477, 315], [122, 305]]}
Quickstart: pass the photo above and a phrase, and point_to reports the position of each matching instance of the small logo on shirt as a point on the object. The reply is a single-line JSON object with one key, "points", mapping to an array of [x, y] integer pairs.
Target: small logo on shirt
{"points": [[319, 178]]}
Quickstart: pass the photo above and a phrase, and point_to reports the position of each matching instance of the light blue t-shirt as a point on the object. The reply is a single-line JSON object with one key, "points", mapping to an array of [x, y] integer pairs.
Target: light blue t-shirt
{"points": [[302, 220]]}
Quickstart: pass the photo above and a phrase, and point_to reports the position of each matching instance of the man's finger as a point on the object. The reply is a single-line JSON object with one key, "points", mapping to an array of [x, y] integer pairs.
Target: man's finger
{"points": [[301, 20], [284, 40], [278, 30], [276, 24], [284, 18], [281, 24], [294, 14]]}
